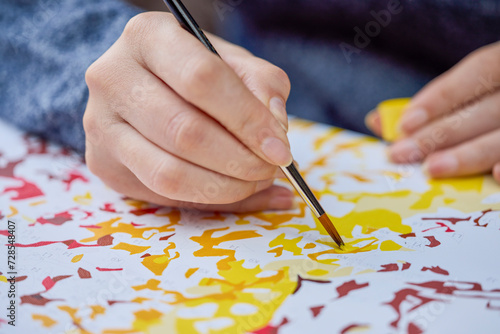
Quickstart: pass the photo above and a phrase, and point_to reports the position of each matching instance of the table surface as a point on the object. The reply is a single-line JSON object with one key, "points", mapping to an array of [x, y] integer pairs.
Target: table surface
{"points": [[421, 255]]}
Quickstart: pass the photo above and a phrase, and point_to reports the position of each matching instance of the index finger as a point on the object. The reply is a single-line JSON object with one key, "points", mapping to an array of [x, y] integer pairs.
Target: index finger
{"points": [[204, 80]]}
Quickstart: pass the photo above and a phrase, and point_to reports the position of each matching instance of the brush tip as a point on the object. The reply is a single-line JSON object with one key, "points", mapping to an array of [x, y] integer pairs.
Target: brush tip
{"points": [[330, 228]]}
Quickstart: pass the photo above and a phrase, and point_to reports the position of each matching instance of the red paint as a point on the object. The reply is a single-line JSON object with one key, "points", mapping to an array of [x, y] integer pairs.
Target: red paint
{"points": [[141, 212], [70, 243], [434, 242], [84, 273], [407, 235], [90, 226], [4, 232], [135, 224], [414, 329], [109, 269], [27, 190], [347, 287], [37, 299], [167, 237], [145, 255], [58, 219], [406, 265], [316, 310], [8, 170], [106, 240], [300, 280], [37, 244], [389, 267], [20, 278], [72, 177], [402, 296], [439, 226], [447, 288], [108, 207], [437, 270], [270, 329], [451, 220], [476, 221], [48, 283]]}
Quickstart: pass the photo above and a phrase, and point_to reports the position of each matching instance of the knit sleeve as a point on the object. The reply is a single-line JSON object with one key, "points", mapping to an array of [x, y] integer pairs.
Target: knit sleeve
{"points": [[46, 47]]}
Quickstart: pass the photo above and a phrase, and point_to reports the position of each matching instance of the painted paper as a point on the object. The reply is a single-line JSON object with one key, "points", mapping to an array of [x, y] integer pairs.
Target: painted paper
{"points": [[421, 255]]}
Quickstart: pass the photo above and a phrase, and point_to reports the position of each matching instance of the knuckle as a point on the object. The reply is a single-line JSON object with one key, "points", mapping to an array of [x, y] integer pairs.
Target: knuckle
{"points": [[95, 74], [139, 26], [91, 126], [185, 132], [166, 180], [197, 77]]}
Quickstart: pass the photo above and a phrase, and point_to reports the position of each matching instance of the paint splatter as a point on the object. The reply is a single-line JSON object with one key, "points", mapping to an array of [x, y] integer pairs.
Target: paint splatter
{"points": [[433, 241], [316, 310], [270, 329], [347, 287], [58, 219], [300, 280], [437, 270], [84, 273], [36, 299], [108, 269]]}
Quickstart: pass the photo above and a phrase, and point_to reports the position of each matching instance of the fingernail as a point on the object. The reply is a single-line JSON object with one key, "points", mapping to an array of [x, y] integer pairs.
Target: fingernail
{"points": [[439, 165], [278, 109], [413, 119], [405, 150], [282, 202], [276, 151]]}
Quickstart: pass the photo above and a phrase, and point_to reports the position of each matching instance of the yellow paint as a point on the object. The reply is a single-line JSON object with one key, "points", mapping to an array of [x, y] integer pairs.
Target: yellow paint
{"points": [[370, 220], [151, 284], [13, 212], [208, 243], [72, 312], [38, 203], [140, 300], [83, 199], [132, 249], [145, 319], [389, 245], [3, 279], [190, 272], [325, 137], [96, 310], [318, 272], [28, 219], [309, 245], [115, 226], [47, 321], [77, 258], [288, 244], [158, 263], [390, 112]]}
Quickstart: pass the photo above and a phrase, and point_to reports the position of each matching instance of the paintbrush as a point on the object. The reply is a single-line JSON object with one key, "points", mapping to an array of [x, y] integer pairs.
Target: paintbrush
{"points": [[187, 22]]}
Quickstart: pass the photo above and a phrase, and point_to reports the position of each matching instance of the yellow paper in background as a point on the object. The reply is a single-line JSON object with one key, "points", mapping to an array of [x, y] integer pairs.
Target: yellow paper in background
{"points": [[390, 112]]}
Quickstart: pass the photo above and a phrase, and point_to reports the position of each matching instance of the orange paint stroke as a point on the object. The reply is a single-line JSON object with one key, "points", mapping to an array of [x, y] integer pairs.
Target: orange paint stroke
{"points": [[208, 242]]}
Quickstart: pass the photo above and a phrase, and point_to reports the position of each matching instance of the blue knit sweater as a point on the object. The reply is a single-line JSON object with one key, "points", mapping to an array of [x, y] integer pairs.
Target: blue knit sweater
{"points": [[343, 56]]}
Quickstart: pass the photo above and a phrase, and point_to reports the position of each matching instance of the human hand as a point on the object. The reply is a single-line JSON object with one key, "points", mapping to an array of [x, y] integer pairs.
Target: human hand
{"points": [[453, 123], [169, 122]]}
